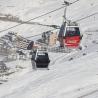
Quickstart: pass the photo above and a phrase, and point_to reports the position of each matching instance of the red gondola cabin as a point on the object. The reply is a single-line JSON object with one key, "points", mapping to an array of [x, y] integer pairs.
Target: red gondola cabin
{"points": [[72, 37]]}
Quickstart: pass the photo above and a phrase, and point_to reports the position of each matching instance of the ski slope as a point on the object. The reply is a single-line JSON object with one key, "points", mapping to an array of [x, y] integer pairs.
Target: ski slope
{"points": [[72, 79], [67, 78]]}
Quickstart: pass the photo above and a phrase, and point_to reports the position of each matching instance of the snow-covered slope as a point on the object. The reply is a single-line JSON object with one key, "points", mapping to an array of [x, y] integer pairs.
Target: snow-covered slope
{"points": [[72, 79], [72, 75]]}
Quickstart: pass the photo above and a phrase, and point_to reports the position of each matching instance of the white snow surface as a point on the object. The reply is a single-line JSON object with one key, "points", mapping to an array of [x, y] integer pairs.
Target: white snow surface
{"points": [[77, 78]]}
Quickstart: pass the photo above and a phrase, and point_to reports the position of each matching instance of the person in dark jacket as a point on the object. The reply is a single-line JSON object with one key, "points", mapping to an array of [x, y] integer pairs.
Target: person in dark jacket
{"points": [[33, 60]]}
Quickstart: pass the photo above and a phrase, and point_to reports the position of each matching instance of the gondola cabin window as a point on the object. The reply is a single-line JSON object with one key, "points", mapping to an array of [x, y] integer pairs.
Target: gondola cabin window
{"points": [[72, 31]]}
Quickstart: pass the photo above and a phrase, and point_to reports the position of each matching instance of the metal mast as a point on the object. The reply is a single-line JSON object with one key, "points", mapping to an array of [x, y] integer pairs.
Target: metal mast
{"points": [[65, 13]]}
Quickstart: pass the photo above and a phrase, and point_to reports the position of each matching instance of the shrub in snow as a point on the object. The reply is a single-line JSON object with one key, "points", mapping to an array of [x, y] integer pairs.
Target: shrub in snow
{"points": [[70, 59], [84, 53]]}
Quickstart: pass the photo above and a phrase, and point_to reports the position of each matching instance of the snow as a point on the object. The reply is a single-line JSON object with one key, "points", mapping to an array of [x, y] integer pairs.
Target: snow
{"points": [[67, 78]]}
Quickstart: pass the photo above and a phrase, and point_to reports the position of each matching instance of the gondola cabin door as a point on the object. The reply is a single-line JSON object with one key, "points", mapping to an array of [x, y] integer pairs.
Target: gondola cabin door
{"points": [[72, 37]]}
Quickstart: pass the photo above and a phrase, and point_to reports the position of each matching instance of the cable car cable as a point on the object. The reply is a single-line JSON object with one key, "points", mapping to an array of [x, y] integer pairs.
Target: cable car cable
{"points": [[37, 17], [87, 17], [41, 34], [75, 21], [33, 19]]}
